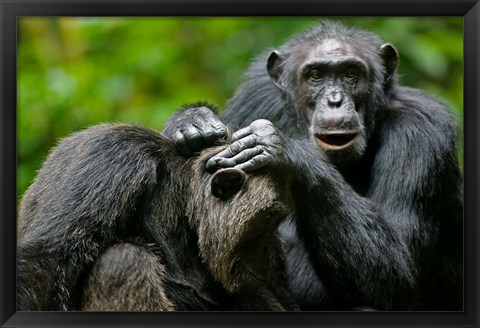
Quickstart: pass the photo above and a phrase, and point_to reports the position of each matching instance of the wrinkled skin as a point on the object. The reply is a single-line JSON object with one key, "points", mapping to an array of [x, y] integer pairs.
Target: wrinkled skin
{"points": [[253, 147], [194, 136]]}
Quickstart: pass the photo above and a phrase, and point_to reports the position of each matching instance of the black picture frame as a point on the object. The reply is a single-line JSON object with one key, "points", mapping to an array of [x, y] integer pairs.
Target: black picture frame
{"points": [[11, 10]]}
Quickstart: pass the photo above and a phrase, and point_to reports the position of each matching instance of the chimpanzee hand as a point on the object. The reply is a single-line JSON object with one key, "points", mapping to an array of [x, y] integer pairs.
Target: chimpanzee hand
{"points": [[253, 147], [194, 128]]}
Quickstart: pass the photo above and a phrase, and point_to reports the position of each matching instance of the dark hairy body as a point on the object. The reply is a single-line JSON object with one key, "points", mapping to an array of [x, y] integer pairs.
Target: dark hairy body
{"points": [[117, 220], [378, 195]]}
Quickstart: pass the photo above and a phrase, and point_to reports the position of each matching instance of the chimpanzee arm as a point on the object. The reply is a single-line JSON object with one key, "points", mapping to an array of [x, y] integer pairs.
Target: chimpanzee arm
{"points": [[355, 247], [356, 250], [194, 128], [89, 189], [417, 182], [127, 277]]}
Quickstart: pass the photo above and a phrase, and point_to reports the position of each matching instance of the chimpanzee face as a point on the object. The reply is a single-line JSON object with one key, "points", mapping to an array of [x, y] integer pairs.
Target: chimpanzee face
{"points": [[332, 91], [330, 85], [237, 223]]}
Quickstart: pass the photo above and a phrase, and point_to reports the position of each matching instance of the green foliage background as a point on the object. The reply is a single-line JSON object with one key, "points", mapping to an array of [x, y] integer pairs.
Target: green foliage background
{"points": [[75, 72]]}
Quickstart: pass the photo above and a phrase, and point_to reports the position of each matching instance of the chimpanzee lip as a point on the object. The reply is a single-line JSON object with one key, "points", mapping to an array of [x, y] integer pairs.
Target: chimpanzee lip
{"points": [[336, 140]]}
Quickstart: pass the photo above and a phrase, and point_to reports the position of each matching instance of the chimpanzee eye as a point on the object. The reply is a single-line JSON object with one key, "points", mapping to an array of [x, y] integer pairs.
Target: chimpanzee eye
{"points": [[351, 73], [315, 75]]}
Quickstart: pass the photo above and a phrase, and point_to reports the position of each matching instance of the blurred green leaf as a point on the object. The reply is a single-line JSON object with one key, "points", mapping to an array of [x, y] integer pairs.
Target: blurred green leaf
{"points": [[74, 72]]}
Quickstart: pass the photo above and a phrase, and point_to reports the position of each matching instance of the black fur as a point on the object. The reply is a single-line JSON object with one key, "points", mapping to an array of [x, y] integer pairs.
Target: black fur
{"points": [[406, 189], [117, 220], [382, 228]]}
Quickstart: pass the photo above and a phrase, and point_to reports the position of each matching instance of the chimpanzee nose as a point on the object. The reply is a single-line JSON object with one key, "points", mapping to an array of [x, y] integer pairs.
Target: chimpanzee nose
{"points": [[335, 99]]}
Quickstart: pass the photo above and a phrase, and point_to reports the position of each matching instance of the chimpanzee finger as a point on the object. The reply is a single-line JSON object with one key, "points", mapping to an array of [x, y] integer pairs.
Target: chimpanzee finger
{"points": [[238, 146], [212, 165], [242, 157], [181, 144], [253, 164], [239, 134], [220, 130], [213, 133], [263, 127], [193, 138]]}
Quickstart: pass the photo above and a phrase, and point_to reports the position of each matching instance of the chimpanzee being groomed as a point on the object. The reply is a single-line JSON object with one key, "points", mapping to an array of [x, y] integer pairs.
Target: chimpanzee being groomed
{"points": [[377, 191], [117, 220]]}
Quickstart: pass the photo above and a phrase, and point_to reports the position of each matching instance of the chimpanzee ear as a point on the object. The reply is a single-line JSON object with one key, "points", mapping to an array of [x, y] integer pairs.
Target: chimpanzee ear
{"points": [[274, 68], [227, 182], [390, 60]]}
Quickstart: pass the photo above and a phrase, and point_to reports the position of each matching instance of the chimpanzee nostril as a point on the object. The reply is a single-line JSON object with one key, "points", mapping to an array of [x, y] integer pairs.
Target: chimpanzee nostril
{"points": [[335, 99]]}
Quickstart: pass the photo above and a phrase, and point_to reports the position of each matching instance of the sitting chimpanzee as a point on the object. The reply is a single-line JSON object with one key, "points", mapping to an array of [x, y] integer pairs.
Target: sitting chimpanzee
{"points": [[116, 219], [377, 190]]}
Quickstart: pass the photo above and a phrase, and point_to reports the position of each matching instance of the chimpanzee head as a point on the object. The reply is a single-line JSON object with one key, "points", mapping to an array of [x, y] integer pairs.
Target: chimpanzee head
{"points": [[237, 222], [336, 78]]}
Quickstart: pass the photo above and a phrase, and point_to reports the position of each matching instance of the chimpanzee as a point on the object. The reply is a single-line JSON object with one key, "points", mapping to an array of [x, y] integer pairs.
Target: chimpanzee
{"points": [[377, 189], [116, 219]]}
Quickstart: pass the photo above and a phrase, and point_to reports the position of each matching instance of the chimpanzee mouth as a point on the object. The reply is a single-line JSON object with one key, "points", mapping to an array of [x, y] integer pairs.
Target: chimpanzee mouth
{"points": [[336, 140]]}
